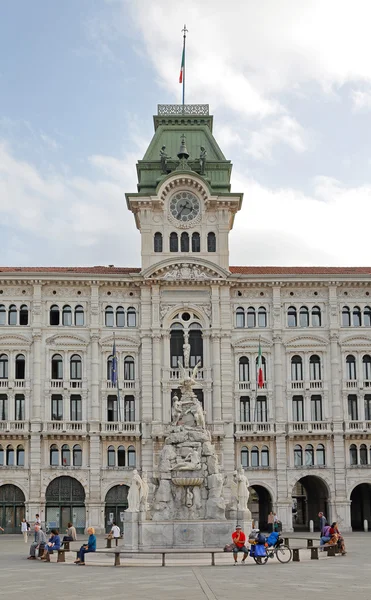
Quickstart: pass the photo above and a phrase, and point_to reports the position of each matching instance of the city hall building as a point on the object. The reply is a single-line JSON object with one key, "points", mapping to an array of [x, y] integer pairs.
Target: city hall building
{"points": [[69, 441]]}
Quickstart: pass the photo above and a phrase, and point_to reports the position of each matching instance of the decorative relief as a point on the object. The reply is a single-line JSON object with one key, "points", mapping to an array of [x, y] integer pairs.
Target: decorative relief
{"points": [[307, 341], [189, 272], [61, 291], [305, 293], [164, 309], [15, 292], [254, 293], [66, 340]]}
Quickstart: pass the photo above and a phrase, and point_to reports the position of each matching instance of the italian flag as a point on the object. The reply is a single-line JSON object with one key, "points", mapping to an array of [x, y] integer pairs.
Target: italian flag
{"points": [[182, 67], [260, 375]]}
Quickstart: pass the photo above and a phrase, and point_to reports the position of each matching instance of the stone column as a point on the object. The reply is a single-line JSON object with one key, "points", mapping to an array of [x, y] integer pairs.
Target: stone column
{"points": [[156, 350], [94, 416], [147, 378], [217, 397]]}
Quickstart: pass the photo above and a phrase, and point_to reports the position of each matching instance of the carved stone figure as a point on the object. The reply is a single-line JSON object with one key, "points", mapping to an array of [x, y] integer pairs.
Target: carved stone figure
{"points": [[189, 497], [242, 489], [190, 463], [176, 410], [199, 415], [145, 491], [164, 158], [135, 493], [186, 353], [203, 155]]}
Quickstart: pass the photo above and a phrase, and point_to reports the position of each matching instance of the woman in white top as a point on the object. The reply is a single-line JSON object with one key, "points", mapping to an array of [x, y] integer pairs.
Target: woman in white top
{"points": [[24, 530]]}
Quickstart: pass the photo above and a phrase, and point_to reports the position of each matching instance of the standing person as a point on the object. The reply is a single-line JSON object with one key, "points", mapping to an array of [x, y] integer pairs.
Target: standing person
{"points": [[37, 520], [270, 522], [91, 546], [115, 532], [71, 533], [38, 543], [24, 530], [322, 522], [276, 525], [239, 541]]}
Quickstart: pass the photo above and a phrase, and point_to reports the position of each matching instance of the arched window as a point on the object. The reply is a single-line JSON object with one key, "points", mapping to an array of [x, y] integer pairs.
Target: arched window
{"points": [[292, 317], [351, 367], [54, 455], [251, 319], [1, 456], [366, 367], [315, 367], [316, 316], [77, 456], [363, 454], [132, 317], [184, 242], [66, 315], [109, 318], [345, 316], [109, 368], [309, 455], [367, 316], [244, 457], [304, 317], [157, 242], [3, 366], [245, 409], [211, 242], [23, 315], [131, 456], [10, 456], [79, 316], [75, 367], [111, 456], [54, 315], [66, 456], [196, 243], [174, 242], [2, 314], [120, 317], [244, 369], [357, 322], [240, 317], [20, 456], [296, 368], [121, 456], [12, 315], [129, 368], [20, 363], [298, 456], [353, 457], [57, 367], [262, 317], [254, 456], [265, 456], [320, 455]]}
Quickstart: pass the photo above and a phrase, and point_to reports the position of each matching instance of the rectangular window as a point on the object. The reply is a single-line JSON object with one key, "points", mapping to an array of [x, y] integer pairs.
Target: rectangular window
{"points": [[261, 409], [353, 407], [298, 408], [76, 407], [316, 408], [112, 409], [176, 347], [3, 407], [57, 407], [245, 409], [19, 407], [129, 408], [368, 407]]}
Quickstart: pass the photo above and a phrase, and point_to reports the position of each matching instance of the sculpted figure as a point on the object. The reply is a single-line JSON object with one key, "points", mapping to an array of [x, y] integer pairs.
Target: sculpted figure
{"points": [[164, 158], [186, 354], [176, 410], [242, 489], [203, 155], [135, 493], [145, 491], [189, 497], [190, 463]]}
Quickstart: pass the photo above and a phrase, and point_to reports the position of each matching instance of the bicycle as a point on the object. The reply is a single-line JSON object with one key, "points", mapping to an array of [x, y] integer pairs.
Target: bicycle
{"points": [[281, 552]]}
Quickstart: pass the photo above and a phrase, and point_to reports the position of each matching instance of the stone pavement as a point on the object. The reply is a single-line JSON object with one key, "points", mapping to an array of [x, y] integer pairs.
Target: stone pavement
{"points": [[337, 578]]}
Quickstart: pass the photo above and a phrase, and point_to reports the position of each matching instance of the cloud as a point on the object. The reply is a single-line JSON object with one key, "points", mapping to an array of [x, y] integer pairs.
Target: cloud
{"points": [[284, 130], [361, 100]]}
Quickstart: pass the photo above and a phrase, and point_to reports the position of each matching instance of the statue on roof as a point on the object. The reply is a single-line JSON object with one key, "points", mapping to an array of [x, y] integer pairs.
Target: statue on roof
{"points": [[164, 158], [202, 159]]}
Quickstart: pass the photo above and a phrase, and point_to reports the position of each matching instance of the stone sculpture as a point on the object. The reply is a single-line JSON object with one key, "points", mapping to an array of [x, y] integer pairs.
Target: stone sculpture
{"points": [[164, 158], [240, 489], [176, 412], [203, 155], [145, 491], [135, 493], [190, 463]]}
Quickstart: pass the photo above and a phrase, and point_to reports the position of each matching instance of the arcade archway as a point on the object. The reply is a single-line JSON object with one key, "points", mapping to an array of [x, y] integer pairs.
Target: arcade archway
{"points": [[309, 496], [260, 505], [12, 508], [360, 508], [65, 501], [116, 503]]}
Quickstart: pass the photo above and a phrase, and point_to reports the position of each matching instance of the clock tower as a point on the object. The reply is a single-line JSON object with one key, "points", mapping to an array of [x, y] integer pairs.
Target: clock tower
{"points": [[184, 208]]}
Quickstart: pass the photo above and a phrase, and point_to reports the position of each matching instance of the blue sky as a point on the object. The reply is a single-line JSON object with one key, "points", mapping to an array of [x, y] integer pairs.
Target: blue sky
{"points": [[289, 85]]}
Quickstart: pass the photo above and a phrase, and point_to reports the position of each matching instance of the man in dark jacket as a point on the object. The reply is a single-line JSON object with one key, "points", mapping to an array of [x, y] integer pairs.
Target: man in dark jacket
{"points": [[322, 522], [39, 542]]}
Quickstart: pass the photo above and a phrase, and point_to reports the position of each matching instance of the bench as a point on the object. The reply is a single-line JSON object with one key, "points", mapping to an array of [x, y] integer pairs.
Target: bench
{"points": [[163, 553], [332, 550], [109, 541], [310, 541]]}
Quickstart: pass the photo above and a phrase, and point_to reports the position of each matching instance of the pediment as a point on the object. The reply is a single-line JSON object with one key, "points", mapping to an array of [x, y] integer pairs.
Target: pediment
{"points": [[252, 343], [186, 271], [356, 340], [66, 340], [308, 341], [122, 341], [14, 340]]}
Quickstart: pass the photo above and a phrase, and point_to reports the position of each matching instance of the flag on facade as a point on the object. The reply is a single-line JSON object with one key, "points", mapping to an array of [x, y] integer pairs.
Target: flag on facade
{"points": [[260, 368], [114, 365], [181, 75]]}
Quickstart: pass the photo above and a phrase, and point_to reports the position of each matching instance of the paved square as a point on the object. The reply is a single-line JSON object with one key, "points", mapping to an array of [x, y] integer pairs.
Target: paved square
{"points": [[333, 578]]}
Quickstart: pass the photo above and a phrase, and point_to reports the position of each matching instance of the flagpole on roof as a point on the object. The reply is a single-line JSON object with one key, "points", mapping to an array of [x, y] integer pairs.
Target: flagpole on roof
{"points": [[182, 66]]}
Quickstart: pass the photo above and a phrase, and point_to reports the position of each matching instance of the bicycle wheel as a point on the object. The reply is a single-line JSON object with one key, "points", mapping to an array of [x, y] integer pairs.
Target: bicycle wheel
{"points": [[284, 554], [260, 560]]}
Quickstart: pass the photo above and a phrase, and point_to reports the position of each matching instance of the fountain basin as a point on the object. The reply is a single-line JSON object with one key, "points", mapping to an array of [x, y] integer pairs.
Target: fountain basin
{"points": [[187, 481]]}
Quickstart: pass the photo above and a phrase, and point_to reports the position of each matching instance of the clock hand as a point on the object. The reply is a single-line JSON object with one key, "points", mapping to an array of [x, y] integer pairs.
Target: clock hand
{"points": [[181, 210]]}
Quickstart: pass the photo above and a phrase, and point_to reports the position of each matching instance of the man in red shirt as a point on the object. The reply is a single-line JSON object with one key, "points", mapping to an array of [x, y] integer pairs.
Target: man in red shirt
{"points": [[239, 540]]}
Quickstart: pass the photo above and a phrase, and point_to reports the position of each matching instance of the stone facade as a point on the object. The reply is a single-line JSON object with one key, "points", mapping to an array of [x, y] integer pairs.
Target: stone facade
{"points": [[304, 438]]}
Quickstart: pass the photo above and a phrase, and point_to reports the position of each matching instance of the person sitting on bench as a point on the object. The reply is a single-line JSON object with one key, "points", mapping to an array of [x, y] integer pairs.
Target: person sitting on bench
{"points": [[54, 543], [38, 543], [71, 534], [239, 541], [337, 538], [91, 546]]}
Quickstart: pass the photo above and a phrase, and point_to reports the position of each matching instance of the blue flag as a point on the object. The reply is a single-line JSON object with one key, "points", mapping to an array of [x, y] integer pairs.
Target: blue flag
{"points": [[114, 365]]}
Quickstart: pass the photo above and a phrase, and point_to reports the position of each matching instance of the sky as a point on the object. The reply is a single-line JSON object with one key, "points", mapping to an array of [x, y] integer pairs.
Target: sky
{"points": [[288, 83]]}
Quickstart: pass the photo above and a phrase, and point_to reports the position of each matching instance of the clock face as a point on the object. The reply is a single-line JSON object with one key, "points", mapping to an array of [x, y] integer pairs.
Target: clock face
{"points": [[184, 207]]}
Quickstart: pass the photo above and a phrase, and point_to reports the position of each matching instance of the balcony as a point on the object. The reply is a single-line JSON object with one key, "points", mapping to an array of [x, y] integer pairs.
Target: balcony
{"points": [[357, 426], [297, 385], [314, 384], [14, 427], [123, 385], [175, 374], [251, 385], [67, 384], [130, 428], [4, 383], [62, 427], [351, 384], [260, 428], [314, 427]]}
